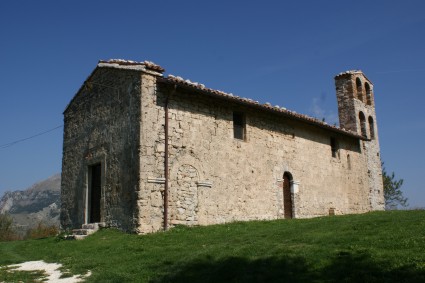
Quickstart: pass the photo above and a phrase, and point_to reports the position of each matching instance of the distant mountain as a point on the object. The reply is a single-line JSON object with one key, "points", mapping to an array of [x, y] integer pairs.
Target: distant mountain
{"points": [[38, 203]]}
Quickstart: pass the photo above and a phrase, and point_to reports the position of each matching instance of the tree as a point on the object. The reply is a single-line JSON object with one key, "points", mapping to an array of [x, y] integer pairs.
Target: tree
{"points": [[7, 232], [392, 190]]}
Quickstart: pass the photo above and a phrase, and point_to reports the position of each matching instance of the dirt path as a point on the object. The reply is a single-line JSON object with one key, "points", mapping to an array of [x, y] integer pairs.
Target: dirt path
{"points": [[51, 269]]}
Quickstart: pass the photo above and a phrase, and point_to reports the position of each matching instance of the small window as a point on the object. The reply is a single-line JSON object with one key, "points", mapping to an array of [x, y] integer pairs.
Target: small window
{"points": [[334, 147], [371, 128], [348, 162], [362, 119], [239, 126]]}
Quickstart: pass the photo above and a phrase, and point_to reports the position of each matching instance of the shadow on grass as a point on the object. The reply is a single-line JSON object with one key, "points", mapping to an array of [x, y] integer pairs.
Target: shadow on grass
{"points": [[344, 267], [361, 267], [237, 269]]}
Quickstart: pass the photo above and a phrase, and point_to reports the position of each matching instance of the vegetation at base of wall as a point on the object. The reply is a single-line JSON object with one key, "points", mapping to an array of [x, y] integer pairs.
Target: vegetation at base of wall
{"points": [[374, 247], [9, 233]]}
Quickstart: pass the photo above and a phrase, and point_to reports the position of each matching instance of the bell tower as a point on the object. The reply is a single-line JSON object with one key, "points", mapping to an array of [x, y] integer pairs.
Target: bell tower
{"points": [[356, 109]]}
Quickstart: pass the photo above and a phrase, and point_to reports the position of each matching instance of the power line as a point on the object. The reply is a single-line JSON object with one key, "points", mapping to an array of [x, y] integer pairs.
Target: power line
{"points": [[28, 138]]}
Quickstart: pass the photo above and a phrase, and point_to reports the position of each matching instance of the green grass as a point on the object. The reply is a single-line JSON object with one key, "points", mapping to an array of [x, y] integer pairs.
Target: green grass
{"points": [[10, 275], [372, 247]]}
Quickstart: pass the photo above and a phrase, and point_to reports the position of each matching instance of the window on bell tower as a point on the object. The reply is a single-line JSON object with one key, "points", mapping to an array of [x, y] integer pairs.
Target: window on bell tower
{"points": [[359, 89], [362, 119], [371, 128], [368, 94]]}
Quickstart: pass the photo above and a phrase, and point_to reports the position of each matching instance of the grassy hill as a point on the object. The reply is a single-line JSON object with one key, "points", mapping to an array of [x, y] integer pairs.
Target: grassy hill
{"points": [[373, 247]]}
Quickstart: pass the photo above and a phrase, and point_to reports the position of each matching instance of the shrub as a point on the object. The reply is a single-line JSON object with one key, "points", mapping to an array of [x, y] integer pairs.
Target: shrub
{"points": [[42, 231], [7, 231]]}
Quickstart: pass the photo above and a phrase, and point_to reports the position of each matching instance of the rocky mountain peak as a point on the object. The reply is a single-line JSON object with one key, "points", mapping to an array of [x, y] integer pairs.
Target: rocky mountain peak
{"points": [[38, 203]]}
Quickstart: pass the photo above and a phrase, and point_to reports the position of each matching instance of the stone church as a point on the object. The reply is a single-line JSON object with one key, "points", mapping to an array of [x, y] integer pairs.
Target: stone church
{"points": [[144, 152]]}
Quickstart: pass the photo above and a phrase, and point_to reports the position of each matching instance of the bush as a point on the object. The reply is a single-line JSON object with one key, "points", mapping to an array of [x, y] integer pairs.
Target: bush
{"points": [[64, 235], [42, 231], [7, 231]]}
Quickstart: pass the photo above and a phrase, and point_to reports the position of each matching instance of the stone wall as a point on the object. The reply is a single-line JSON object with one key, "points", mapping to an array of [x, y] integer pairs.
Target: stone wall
{"points": [[102, 126], [215, 178]]}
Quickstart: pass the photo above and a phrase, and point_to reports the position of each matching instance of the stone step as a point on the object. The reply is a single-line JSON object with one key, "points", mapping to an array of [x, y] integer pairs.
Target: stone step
{"points": [[83, 231], [86, 229], [92, 226], [75, 237], [79, 237]]}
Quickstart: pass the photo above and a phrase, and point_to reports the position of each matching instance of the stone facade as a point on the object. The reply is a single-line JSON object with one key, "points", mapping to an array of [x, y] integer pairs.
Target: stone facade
{"points": [[228, 157]]}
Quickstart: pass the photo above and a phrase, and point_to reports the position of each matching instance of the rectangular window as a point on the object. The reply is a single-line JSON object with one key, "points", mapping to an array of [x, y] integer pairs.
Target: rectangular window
{"points": [[348, 162], [239, 126], [334, 147]]}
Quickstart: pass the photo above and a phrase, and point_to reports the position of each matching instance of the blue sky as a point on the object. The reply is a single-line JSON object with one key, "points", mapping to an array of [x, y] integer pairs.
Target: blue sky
{"points": [[282, 52]]}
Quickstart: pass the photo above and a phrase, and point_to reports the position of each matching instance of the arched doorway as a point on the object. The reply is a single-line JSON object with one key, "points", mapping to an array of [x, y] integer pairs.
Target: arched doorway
{"points": [[287, 196]]}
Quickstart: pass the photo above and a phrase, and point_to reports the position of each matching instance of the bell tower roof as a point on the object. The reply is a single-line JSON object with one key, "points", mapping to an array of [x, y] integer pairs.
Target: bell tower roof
{"points": [[350, 73]]}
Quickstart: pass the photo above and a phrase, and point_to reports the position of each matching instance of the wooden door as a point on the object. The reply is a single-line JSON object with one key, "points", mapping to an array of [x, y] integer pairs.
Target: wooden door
{"points": [[95, 193], [287, 198]]}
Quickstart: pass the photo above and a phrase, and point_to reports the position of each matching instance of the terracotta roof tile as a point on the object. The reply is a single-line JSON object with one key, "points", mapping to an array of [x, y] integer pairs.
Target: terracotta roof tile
{"points": [[350, 72], [247, 101], [148, 64], [229, 96]]}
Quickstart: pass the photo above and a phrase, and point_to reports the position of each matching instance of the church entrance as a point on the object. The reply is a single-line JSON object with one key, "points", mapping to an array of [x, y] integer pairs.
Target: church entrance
{"points": [[287, 198], [95, 190]]}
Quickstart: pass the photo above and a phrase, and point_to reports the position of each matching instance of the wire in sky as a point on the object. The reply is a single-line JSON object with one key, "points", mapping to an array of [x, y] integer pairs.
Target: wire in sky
{"points": [[28, 138]]}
